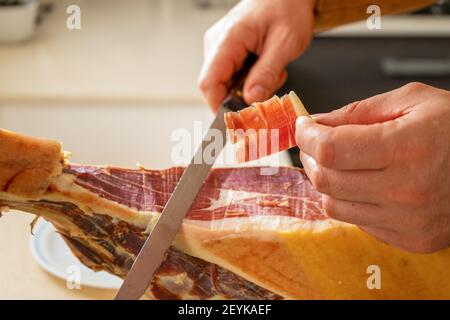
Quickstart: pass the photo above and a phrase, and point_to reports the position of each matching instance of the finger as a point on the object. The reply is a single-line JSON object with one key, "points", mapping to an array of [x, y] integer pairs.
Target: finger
{"points": [[265, 76], [222, 60], [372, 110], [358, 213], [349, 147], [393, 238], [425, 243], [351, 185], [282, 79], [216, 74], [387, 236], [377, 109]]}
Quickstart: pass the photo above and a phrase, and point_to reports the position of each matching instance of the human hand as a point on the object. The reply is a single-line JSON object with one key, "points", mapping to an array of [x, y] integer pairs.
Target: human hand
{"points": [[384, 164], [277, 31]]}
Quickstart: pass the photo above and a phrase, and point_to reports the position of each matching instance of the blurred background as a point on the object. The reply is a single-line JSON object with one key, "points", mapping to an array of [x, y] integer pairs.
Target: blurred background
{"points": [[115, 89]]}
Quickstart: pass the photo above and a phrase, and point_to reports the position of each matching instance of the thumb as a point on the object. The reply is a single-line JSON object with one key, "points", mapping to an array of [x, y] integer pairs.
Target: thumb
{"points": [[377, 109], [265, 77]]}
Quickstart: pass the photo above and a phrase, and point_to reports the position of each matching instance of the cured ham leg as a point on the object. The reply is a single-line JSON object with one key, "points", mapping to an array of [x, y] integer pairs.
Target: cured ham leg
{"points": [[247, 235]]}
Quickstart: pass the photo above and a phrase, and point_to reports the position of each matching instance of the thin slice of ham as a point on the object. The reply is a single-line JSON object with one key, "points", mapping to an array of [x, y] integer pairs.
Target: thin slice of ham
{"points": [[247, 235], [265, 127]]}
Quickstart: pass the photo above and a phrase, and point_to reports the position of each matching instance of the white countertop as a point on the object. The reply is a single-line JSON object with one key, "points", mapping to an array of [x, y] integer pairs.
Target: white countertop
{"points": [[131, 50]]}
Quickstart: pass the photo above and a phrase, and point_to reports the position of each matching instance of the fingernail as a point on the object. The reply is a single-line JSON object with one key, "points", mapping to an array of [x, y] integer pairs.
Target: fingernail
{"points": [[302, 120], [257, 93], [311, 162], [298, 123], [307, 161]]}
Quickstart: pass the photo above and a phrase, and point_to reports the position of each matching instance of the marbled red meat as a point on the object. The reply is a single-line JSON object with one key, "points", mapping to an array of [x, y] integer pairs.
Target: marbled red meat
{"points": [[226, 192]]}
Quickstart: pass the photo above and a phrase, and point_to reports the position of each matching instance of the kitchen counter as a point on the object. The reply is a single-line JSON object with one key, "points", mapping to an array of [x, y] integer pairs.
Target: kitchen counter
{"points": [[139, 50]]}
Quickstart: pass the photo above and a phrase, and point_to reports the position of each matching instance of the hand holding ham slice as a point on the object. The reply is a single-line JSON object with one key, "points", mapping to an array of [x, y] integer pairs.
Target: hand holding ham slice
{"points": [[384, 164]]}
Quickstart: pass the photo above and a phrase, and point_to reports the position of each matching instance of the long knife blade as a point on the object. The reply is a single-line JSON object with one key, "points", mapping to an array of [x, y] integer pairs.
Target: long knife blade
{"points": [[161, 237]]}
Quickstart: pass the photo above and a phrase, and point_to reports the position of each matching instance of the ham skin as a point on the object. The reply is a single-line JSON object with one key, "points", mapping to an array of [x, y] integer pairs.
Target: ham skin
{"points": [[247, 235]]}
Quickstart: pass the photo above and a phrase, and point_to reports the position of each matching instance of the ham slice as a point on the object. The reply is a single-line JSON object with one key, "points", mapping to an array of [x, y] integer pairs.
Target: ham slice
{"points": [[265, 127], [247, 235]]}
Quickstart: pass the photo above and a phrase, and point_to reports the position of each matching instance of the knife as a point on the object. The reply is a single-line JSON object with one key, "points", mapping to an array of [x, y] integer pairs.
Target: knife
{"points": [[161, 237]]}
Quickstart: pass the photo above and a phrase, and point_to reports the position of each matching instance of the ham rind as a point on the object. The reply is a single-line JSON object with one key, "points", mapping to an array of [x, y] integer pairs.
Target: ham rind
{"points": [[247, 235]]}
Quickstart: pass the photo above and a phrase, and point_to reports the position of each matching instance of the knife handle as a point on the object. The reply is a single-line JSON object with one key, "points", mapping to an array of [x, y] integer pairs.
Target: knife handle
{"points": [[235, 100]]}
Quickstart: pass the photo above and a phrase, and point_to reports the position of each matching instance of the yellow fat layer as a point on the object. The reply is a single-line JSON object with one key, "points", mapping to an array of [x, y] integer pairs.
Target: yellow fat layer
{"points": [[335, 260]]}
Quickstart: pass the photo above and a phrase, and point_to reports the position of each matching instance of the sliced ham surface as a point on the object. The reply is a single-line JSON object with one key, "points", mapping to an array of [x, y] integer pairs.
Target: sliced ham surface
{"points": [[246, 236], [243, 192]]}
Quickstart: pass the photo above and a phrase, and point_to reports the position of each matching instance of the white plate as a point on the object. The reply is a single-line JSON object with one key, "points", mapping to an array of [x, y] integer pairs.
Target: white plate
{"points": [[52, 254]]}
